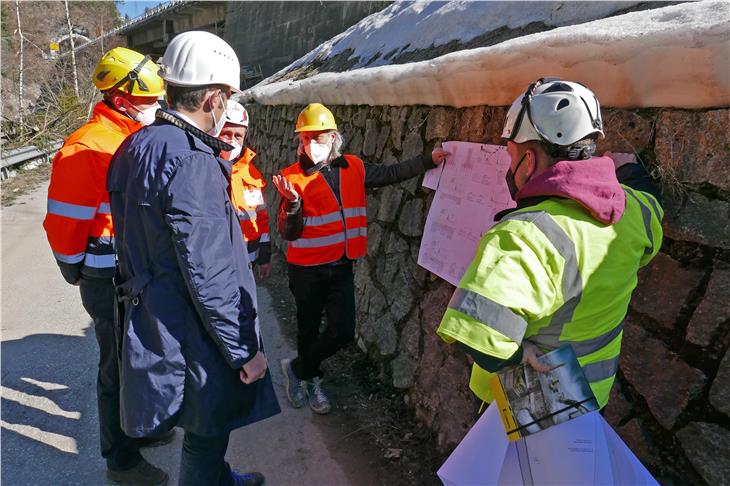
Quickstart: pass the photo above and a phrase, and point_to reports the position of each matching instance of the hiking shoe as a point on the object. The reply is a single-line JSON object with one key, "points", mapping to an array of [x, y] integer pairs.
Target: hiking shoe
{"points": [[142, 474], [318, 401], [247, 478], [295, 388], [156, 440]]}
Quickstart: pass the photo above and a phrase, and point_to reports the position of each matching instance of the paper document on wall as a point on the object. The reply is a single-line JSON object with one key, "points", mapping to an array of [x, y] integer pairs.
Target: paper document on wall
{"points": [[470, 190]]}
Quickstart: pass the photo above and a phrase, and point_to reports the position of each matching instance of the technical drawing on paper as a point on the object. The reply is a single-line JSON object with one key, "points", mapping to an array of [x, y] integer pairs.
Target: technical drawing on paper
{"points": [[470, 190]]}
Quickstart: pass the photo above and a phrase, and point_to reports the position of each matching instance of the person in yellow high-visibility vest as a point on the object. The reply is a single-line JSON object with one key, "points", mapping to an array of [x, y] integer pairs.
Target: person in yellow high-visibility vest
{"points": [[560, 267]]}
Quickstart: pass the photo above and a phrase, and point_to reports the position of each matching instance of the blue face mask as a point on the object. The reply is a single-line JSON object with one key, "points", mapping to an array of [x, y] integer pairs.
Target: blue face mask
{"points": [[510, 179]]}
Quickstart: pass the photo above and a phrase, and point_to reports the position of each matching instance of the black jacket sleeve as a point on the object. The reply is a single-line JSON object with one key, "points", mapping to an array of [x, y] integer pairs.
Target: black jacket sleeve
{"points": [[385, 175], [490, 363], [264, 253], [636, 177], [71, 272], [290, 220]]}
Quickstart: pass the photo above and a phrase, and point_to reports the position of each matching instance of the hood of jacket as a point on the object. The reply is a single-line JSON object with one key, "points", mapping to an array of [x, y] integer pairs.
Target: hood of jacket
{"points": [[592, 183]]}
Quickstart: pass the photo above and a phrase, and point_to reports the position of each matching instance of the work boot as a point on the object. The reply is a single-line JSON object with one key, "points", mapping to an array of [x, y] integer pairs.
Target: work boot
{"points": [[318, 401], [247, 478], [142, 474], [295, 388], [155, 440]]}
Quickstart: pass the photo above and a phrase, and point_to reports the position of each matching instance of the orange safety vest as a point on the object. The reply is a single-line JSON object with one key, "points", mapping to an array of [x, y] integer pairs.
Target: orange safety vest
{"points": [[247, 195], [78, 221], [330, 230]]}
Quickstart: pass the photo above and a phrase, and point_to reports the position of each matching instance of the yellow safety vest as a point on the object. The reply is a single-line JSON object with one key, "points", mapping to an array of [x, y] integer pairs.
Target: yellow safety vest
{"points": [[552, 274]]}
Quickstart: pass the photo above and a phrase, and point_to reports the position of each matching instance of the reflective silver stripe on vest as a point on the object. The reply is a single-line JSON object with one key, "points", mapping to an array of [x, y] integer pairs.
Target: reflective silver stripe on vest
{"points": [[324, 219], [646, 215], [104, 208], [356, 232], [493, 315], [99, 261], [654, 205], [601, 370], [265, 238], [318, 242], [572, 284], [71, 259], [588, 346], [75, 211], [353, 212], [246, 215]]}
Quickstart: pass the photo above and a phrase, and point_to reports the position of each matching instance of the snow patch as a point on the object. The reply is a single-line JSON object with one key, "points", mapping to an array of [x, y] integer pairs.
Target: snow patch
{"points": [[677, 56], [410, 26]]}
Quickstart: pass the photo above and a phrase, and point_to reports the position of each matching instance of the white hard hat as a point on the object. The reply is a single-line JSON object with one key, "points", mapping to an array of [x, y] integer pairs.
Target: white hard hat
{"points": [[236, 114], [198, 58], [556, 111]]}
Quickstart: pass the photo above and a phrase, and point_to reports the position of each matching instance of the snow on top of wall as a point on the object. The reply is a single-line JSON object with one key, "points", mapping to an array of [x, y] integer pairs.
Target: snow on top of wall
{"points": [[676, 56], [406, 27]]}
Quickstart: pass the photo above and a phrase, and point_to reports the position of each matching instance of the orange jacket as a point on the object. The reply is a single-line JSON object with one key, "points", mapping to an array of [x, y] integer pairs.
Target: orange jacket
{"points": [[330, 231], [247, 185], [78, 221]]}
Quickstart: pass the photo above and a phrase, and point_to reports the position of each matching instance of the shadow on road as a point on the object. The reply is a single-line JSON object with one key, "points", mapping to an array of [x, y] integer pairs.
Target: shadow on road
{"points": [[49, 417]]}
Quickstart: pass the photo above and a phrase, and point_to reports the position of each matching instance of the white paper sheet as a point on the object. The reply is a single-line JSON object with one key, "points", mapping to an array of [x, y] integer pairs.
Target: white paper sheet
{"points": [[470, 190], [583, 451], [479, 457]]}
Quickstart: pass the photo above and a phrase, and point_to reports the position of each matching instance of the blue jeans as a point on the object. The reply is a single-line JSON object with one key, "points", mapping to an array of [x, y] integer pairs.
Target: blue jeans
{"points": [[202, 462]]}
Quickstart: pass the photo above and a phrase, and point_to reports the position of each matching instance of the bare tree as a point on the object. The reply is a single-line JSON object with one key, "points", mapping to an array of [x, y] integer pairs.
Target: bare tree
{"points": [[73, 52], [20, 71]]}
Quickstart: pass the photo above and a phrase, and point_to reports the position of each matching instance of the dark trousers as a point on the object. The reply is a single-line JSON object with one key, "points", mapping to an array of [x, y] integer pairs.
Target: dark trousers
{"points": [[120, 451], [202, 461], [328, 288]]}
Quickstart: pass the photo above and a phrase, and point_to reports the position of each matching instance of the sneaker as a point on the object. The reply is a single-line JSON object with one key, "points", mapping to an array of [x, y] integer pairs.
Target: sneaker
{"points": [[295, 388], [156, 441], [142, 474], [318, 401], [247, 478]]}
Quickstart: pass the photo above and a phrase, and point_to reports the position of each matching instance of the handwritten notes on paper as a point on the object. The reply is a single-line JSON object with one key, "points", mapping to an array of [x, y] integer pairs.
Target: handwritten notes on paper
{"points": [[470, 190]]}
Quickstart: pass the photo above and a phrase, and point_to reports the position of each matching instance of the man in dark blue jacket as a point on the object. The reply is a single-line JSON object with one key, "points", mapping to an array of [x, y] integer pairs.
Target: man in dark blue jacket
{"points": [[191, 353]]}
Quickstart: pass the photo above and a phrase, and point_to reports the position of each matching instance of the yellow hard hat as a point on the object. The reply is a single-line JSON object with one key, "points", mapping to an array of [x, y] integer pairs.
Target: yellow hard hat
{"points": [[315, 117], [128, 71]]}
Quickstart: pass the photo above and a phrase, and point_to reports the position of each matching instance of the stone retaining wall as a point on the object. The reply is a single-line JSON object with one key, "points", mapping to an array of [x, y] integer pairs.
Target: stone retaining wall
{"points": [[671, 402]]}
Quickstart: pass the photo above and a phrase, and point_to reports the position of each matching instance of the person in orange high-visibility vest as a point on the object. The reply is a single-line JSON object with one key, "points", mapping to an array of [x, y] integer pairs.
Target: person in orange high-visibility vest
{"points": [[247, 186], [79, 228], [322, 215]]}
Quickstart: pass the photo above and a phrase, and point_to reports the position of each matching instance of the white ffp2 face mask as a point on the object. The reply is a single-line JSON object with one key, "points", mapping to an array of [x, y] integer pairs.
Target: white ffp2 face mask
{"points": [[147, 116], [318, 152], [218, 123], [233, 154]]}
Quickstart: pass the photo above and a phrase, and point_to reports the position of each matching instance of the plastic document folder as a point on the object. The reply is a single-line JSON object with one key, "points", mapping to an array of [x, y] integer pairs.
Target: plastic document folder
{"points": [[584, 451]]}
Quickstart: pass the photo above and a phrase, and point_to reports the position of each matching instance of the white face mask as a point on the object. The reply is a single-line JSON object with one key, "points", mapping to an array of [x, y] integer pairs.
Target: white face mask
{"points": [[318, 152], [147, 116], [218, 123], [233, 154]]}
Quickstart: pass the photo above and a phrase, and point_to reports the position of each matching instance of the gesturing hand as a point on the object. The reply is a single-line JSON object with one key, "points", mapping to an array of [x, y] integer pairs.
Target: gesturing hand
{"points": [[264, 271], [530, 353], [285, 188], [255, 369]]}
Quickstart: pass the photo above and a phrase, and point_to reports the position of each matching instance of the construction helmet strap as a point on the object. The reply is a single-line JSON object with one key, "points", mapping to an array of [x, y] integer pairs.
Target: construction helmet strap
{"points": [[133, 77]]}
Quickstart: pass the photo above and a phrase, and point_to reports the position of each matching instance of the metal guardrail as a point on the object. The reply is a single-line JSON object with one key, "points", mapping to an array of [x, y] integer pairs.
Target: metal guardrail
{"points": [[31, 153]]}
